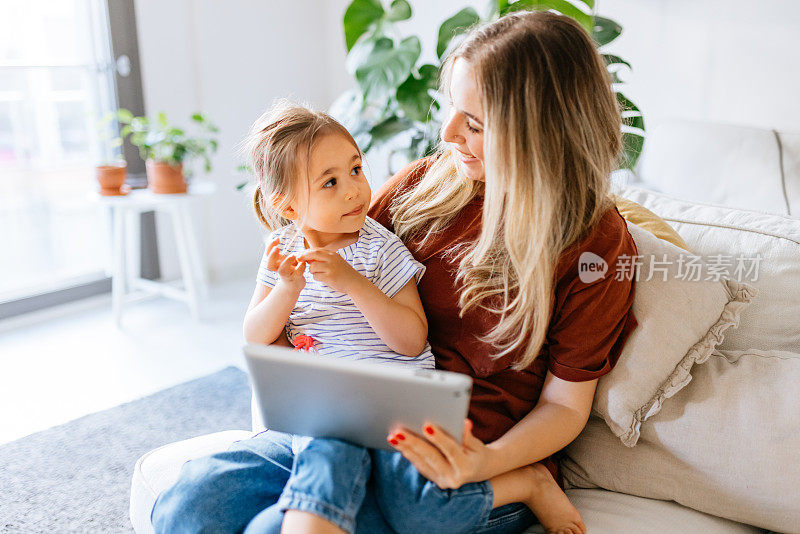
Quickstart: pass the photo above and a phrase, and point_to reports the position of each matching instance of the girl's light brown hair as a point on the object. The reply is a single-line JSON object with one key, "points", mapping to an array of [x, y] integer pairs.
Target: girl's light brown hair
{"points": [[551, 139], [272, 149]]}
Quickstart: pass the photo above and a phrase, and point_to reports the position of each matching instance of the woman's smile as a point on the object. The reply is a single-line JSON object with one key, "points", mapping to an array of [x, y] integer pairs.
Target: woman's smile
{"points": [[467, 158]]}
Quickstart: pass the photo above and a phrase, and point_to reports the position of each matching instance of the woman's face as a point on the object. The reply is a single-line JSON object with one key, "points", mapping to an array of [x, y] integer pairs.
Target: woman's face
{"points": [[463, 129]]}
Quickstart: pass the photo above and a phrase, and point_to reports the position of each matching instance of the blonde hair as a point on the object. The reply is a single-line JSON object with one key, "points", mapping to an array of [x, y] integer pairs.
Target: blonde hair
{"points": [[272, 148], [552, 138]]}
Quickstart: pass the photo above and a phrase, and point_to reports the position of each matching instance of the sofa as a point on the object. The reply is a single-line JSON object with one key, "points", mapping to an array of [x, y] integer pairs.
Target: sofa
{"points": [[722, 453]]}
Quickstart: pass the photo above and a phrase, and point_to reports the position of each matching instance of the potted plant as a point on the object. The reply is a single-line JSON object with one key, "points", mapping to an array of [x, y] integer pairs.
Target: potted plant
{"points": [[169, 151], [112, 171]]}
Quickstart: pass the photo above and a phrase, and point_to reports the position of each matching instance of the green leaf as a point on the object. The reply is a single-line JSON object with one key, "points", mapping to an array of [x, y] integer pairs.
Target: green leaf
{"points": [[198, 117], [632, 115], [162, 119], [139, 124], [562, 6], [124, 116], [213, 143], [455, 25], [380, 67], [125, 131], [400, 10], [613, 65], [632, 144], [360, 15], [137, 139], [605, 30], [633, 133], [412, 95], [611, 59], [388, 128]]}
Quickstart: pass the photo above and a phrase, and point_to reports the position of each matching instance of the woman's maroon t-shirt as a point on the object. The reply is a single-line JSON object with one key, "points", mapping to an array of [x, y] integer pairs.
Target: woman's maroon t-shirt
{"points": [[588, 327]]}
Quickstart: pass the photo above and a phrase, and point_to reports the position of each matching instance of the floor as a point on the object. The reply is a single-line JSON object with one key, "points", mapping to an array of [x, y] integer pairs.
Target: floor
{"points": [[71, 362]]}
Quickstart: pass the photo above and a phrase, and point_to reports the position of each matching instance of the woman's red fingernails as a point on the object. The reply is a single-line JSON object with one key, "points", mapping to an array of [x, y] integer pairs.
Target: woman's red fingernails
{"points": [[429, 429], [401, 437], [393, 441]]}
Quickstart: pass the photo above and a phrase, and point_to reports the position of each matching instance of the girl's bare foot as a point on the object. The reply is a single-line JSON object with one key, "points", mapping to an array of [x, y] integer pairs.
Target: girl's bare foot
{"points": [[548, 501]]}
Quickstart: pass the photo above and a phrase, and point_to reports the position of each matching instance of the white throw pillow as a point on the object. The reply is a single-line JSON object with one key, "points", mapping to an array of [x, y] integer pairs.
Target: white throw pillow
{"points": [[771, 321], [683, 314], [728, 444]]}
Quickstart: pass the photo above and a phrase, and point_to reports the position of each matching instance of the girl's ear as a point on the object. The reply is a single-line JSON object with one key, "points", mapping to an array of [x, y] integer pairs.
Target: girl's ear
{"points": [[283, 207]]}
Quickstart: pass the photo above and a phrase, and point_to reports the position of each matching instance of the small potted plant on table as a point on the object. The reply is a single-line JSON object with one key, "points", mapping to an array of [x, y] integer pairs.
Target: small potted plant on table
{"points": [[167, 150], [112, 171]]}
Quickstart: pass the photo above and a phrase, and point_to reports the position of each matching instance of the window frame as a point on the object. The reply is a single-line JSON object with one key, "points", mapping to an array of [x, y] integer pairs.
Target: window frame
{"points": [[124, 44]]}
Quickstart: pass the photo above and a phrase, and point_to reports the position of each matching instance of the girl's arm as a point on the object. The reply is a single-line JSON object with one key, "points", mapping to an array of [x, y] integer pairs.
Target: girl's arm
{"points": [[399, 321], [558, 417], [269, 308], [268, 312]]}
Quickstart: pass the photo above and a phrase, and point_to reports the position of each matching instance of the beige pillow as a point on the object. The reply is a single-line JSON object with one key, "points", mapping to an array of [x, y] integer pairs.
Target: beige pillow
{"points": [[647, 220], [681, 321], [728, 444]]}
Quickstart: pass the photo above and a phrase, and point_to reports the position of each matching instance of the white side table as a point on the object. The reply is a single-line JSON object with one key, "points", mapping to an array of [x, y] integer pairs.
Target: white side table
{"points": [[127, 285]]}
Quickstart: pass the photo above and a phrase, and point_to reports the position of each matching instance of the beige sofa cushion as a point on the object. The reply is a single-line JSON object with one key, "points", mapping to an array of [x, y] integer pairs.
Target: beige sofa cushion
{"points": [[647, 220], [771, 321], [158, 469], [723, 164], [728, 444], [606, 512], [681, 320]]}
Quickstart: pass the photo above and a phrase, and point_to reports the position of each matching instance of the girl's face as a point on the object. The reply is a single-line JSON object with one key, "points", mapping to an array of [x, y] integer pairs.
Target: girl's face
{"points": [[464, 126], [337, 195]]}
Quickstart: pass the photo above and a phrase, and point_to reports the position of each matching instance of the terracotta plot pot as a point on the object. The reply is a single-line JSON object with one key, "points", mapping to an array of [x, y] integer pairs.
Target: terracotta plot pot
{"points": [[164, 178], [112, 179]]}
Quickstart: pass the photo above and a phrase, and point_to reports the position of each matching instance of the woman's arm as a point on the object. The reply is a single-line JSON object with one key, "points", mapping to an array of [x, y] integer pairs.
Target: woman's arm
{"points": [[558, 417]]}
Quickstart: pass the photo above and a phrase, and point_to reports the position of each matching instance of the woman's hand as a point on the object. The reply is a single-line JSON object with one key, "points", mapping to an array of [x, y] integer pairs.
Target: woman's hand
{"points": [[289, 268], [328, 267], [441, 459]]}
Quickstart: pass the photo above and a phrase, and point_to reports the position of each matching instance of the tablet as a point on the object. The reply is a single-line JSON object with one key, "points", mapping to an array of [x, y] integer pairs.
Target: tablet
{"points": [[360, 402]]}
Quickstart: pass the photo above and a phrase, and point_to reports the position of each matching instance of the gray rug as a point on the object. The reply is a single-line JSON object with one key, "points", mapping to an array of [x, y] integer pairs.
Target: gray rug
{"points": [[77, 477]]}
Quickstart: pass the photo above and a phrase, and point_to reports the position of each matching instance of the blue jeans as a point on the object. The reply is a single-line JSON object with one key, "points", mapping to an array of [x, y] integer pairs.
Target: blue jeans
{"points": [[411, 503], [249, 487]]}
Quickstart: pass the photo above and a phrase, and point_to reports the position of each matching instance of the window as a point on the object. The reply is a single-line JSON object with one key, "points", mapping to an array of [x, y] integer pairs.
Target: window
{"points": [[57, 83]]}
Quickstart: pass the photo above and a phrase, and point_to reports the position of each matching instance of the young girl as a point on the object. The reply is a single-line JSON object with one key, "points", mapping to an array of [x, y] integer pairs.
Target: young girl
{"points": [[336, 283]]}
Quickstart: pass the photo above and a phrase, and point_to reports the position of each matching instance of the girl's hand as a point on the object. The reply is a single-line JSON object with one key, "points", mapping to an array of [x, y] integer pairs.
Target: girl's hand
{"points": [[289, 268], [331, 269], [441, 459]]}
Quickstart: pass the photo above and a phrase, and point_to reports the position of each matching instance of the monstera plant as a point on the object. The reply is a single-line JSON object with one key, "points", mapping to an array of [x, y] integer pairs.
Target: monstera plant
{"points": [[397, 105]]}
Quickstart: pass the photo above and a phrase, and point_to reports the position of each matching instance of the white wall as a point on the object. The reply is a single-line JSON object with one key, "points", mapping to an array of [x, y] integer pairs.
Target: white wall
{"points": [[704, 60], [711, 60], [229, 60]]}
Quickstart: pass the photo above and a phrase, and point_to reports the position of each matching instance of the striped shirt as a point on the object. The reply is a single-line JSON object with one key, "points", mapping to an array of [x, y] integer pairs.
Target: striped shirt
{"points": [[330, 317]]}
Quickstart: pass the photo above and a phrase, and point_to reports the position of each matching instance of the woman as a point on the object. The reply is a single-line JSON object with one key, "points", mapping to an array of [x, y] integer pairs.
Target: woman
{"points": [[515, 197], [500, 217]]}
